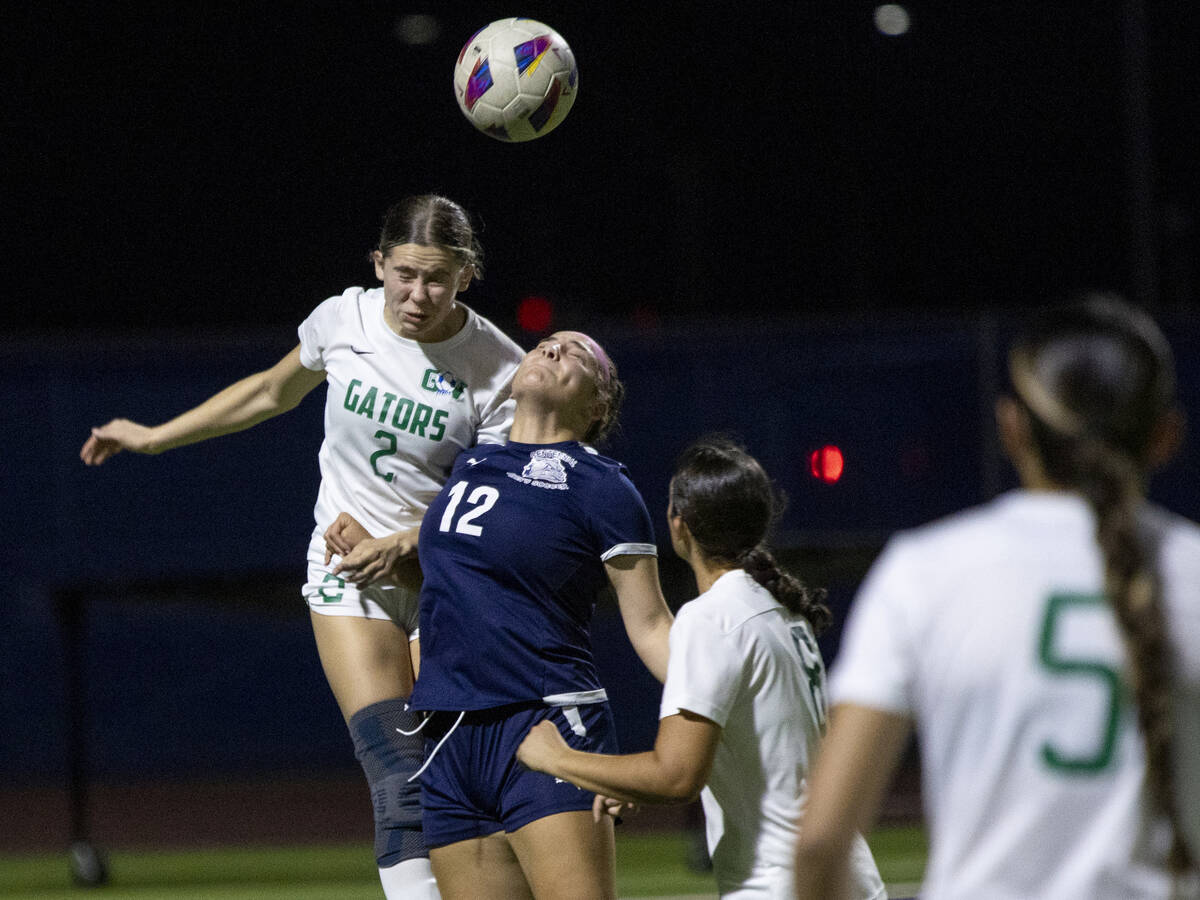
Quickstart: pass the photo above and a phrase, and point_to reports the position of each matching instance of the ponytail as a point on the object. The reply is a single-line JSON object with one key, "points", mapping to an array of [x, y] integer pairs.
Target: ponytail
{"points": [[786, 588], [1112, 487]]}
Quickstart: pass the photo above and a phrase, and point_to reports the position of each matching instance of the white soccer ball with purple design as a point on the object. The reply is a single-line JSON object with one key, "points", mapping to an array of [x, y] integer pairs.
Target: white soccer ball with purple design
{"points": [[516, 79]]}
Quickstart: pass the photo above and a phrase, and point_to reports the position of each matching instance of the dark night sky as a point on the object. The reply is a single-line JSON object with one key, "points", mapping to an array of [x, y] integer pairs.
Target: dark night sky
{"points": [[209, 165]]}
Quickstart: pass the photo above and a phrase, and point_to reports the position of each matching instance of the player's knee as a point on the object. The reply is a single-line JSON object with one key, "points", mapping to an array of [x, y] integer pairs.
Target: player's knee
{"points": [[389, 757]]}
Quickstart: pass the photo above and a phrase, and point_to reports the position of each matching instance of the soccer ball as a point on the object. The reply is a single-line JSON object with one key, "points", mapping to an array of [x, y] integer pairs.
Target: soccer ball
{"points": [[516, 79]]}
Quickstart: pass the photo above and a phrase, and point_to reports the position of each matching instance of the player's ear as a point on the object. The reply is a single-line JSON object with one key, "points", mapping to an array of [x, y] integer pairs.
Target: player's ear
{"points": [[465, 277], [680, 534], [377, 258], [599, 409], [1012, 425], [1166, 438], [1016, 437]]}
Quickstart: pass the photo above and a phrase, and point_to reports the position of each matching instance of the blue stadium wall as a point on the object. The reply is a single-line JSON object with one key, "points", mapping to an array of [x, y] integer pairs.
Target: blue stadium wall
{"points": [[197, 655]]}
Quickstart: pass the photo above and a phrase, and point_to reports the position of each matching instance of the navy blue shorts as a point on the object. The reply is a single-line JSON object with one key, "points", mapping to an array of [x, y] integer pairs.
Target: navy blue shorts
{"points": [[474, 785]]}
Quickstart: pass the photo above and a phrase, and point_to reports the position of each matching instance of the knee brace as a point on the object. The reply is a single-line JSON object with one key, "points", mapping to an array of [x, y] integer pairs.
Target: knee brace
{"points": [[389, 758]]}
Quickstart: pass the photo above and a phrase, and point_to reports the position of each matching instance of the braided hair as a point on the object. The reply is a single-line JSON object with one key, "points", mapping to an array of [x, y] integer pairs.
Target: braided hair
{"points": [[1096, 378], [729, 505]]}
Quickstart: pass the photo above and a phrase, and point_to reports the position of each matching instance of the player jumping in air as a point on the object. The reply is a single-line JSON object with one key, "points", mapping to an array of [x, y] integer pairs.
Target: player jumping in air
{"points": [[414, 377]]}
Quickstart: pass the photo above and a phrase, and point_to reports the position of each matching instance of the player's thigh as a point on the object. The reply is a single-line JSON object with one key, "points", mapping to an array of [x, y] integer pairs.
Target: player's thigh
{"points": [[567, 856], [365, 660], [482, 867]]}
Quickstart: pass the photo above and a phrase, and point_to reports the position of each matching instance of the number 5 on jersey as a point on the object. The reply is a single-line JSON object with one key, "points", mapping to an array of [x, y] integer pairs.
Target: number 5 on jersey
{"points": [[480, 501]]}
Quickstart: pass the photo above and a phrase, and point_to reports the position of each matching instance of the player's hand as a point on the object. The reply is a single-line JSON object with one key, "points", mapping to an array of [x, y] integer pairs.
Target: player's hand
{"points": [[109, 440], [610, 806], [367, 562], [343, 536], [391, 558], [541, 747]]}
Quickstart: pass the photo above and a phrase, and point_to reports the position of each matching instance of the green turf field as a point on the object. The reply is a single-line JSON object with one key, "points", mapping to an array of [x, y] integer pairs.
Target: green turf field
{"points": [[648, 865]]}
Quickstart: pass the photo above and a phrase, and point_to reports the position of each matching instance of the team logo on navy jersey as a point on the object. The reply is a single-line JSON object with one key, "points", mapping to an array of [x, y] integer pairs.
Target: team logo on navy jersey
{"points": [[546, 469]]}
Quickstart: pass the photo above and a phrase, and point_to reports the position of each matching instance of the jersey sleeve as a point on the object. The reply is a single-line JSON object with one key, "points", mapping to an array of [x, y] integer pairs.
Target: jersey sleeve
{"points": [[876, 664], [704, 671], [498, 356], [316, 332], [620, 519], [497, 417]]}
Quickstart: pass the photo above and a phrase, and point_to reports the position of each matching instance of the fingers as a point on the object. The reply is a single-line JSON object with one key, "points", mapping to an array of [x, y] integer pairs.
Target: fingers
{"points": [[96, 449], [334, 545], [359, 567], [88, 451], [335, 538], [356, 575], [113, 437], [608, 806]]}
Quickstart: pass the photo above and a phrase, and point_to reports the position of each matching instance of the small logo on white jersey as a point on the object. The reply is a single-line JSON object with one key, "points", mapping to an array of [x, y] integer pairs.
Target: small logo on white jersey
{"points": [[546, 469], [443, 383], [360, 352]]}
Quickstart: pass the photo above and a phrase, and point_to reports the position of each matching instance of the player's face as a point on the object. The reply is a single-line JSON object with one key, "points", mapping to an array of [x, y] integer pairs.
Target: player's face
{"points": [[565, 370], [419, 286]]}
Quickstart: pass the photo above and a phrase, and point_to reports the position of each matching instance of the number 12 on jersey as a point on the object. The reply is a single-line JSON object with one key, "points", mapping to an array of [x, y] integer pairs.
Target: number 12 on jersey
{"points": [[479, 502]]}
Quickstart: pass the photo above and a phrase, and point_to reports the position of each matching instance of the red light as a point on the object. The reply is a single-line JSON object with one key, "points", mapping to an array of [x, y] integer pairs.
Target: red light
{"points": [[535, 313], [826, 464]]}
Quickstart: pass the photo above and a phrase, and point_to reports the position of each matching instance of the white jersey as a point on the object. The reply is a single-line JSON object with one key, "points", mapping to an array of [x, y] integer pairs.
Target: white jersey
{"points": [[989, 629], [741, 660], [399, 411]]}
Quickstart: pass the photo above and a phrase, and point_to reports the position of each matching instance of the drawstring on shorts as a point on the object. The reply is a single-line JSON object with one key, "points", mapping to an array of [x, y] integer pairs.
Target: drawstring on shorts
{"points": [[438, 746]]}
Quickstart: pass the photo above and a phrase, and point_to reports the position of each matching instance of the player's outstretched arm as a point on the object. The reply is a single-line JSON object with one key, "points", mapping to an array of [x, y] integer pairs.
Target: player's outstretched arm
{"points": [[643, 608], [673, 772], [852, 771], [239, 406]]}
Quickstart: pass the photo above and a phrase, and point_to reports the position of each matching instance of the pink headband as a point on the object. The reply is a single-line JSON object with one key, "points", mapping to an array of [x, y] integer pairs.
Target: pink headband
{"points": [[600, 355]]}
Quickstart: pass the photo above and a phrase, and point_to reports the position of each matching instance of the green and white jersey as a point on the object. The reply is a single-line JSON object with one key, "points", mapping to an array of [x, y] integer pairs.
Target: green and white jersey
{"points": [[990, 629], [739, 659], [399, 411]]}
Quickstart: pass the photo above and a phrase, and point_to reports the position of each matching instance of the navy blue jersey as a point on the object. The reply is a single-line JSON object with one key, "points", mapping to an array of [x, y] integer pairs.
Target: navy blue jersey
{"points": [[513, 553]]}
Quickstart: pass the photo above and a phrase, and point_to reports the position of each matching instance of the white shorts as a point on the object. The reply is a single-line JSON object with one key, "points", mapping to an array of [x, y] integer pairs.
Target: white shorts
{"points": [[329, 595]]}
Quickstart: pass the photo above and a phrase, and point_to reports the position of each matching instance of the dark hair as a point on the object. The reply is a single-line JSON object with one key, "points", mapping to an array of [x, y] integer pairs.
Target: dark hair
{"points": [[612, 390], [1096, 378], [729, 505], [428, 219]]}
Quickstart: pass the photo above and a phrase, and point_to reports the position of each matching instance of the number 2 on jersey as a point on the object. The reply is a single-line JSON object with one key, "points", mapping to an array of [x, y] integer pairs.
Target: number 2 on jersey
{"points": [[481, 500]]}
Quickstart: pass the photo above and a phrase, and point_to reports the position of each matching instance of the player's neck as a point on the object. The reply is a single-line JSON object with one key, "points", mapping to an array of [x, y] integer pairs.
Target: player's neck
{"points": [[540, 428], [706, 571]]}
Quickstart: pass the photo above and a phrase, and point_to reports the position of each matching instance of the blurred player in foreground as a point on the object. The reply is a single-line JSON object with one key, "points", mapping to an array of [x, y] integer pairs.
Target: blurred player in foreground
{"points": [[515, 550], [744, 705], [414, 377], [1046, 645]]}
